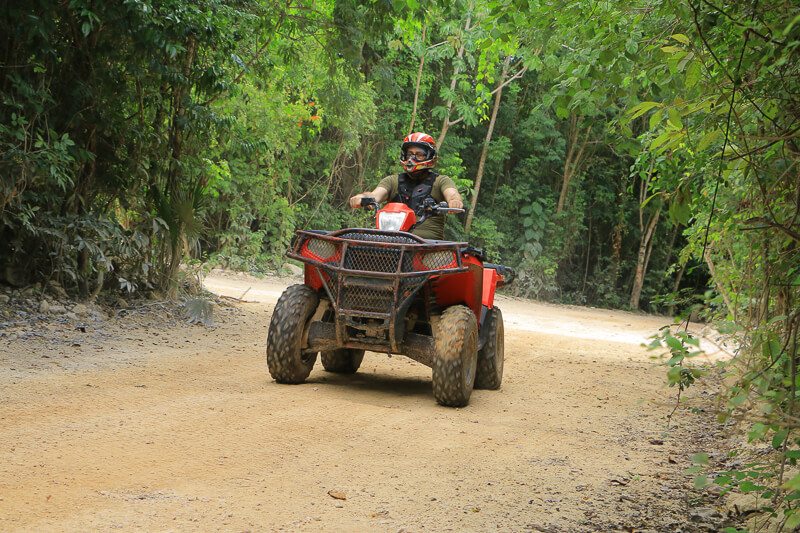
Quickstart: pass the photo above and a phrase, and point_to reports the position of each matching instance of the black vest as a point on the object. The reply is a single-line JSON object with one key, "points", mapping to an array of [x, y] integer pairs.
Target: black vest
{"points": [[413, 193]]}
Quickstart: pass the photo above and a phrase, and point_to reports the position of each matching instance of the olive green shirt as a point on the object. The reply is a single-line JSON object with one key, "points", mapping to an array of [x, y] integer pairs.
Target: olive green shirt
{"points": [[433, 227]]}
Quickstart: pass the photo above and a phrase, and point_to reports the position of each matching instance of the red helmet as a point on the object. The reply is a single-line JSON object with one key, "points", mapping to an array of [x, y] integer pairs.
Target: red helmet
{"points": [[418, 140]]}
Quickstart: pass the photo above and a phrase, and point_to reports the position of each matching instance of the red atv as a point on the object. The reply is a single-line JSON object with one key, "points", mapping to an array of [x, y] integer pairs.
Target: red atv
{"points": [[386, 290]]}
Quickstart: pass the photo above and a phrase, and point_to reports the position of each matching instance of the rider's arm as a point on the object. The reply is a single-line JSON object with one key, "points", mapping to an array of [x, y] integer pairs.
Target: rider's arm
{"points": [[453, 198], [380, 194]]}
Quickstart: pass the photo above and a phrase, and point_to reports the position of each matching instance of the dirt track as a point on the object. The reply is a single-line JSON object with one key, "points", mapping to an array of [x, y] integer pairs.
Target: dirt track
{"points": [[182, 429]]}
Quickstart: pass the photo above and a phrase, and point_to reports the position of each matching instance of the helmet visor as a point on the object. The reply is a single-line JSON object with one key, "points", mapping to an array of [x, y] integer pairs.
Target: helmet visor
{"points": [[416, 152]]}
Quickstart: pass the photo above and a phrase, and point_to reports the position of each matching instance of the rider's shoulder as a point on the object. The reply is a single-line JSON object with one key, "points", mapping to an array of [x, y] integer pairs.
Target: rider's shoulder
{"points": [[443, 178], [391, 178]]}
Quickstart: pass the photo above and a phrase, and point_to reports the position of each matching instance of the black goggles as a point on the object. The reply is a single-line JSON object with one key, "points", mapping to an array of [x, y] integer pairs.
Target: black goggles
{"points": [[405, 155]]}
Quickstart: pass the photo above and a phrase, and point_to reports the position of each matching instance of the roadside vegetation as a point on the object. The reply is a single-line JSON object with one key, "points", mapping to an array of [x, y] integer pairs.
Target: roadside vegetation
{"points": [[640, 156]]}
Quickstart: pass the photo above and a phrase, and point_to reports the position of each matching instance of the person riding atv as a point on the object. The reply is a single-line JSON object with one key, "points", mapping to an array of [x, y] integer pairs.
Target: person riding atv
{"points": [[397, 289], [418, 183]]}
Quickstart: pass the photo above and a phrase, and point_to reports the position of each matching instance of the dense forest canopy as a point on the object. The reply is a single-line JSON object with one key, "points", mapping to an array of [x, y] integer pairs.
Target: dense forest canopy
{"points": [[641, 155]]}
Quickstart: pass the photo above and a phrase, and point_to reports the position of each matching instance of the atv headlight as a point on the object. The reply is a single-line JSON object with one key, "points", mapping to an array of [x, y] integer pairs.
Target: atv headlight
{"points": [[389, 221], [321, 248], [438, 260]]}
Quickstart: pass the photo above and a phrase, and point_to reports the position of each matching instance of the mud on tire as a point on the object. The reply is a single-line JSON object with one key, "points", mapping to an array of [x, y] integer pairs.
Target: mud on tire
{"points": [[489, 374], [454, 363], [285, 358], [342, 361]]}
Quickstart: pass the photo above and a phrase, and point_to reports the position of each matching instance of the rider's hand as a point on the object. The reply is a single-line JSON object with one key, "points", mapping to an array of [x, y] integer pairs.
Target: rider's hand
{"points": [[456, 203], [355, 201]]}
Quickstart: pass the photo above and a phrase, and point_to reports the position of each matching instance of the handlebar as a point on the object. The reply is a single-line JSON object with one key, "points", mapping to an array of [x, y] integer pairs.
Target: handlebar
{"points": [[429, 207], [369, 202]]}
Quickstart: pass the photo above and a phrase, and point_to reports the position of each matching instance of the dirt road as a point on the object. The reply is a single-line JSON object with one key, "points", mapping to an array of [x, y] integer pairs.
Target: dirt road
{"points": [[138, 427]]}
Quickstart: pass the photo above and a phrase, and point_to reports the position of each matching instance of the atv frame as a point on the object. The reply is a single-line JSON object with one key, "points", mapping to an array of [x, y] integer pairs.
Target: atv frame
{"points": [[393, 292]]}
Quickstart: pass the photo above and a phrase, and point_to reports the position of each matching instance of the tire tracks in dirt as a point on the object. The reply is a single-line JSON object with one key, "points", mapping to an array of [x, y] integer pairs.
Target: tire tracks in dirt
{"points": [[195, 435]]}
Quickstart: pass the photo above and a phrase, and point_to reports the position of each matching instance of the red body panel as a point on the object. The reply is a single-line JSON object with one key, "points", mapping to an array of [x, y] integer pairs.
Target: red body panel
{"points": [[462, 288], [474, 287], [490, 278], [311, 277], [397, 207]]}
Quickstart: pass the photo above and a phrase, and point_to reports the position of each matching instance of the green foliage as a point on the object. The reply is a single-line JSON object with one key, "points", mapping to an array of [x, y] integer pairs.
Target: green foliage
{"points": [[485, 235], [681, 346], [643, 155]]}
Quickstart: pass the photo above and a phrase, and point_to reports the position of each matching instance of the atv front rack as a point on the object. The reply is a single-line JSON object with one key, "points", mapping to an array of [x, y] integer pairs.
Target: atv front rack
{"points": [[371, 277]]}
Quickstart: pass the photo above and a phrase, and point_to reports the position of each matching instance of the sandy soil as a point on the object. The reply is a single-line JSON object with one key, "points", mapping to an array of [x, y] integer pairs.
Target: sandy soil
{"points": [[162, 426]]}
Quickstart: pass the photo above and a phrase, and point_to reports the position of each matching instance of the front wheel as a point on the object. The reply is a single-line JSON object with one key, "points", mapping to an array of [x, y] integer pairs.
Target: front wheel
{"points": [[285, 357], [490, 359], [342, 361], [456, 338]]}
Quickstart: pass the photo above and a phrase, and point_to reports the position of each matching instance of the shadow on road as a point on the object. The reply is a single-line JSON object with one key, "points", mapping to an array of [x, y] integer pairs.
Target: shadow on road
{"points": [[376, 383]]}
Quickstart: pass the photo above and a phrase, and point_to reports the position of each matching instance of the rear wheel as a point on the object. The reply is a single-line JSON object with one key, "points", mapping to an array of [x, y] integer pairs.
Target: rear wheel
{"points": [[456, 337], [490, 359], [285, 357], [342, 361]]}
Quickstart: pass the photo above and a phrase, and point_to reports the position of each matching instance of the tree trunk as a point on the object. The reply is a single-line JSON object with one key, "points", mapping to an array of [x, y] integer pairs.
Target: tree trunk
{"points": [[419, 79], [172, 186], [616, 239], [642, 258], [675, 286], [718, 282], [453, 81], [486, 141], [574, 158], [588, 253], [671, 247]]}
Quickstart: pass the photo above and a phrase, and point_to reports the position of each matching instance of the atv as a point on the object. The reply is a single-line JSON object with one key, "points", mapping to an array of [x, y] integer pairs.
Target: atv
{"points": [[387, 290]]}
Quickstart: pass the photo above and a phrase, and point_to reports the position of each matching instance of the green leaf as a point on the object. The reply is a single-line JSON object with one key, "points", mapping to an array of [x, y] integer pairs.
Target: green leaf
{"points": [[793, 484], [661, 139], [771, 349], [780, 436], [689, 339], [654, 195], [700, 458], [674, 343], [674, 375], [675, 359], [791, 25], [680, 212], [738, 400], [672, 49], [681, 38], [674, 118], [655, 119], [776, 319], [642, 108], [793, 516], [693, 74], [757, 432], [707, 139], [749, 486]]}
